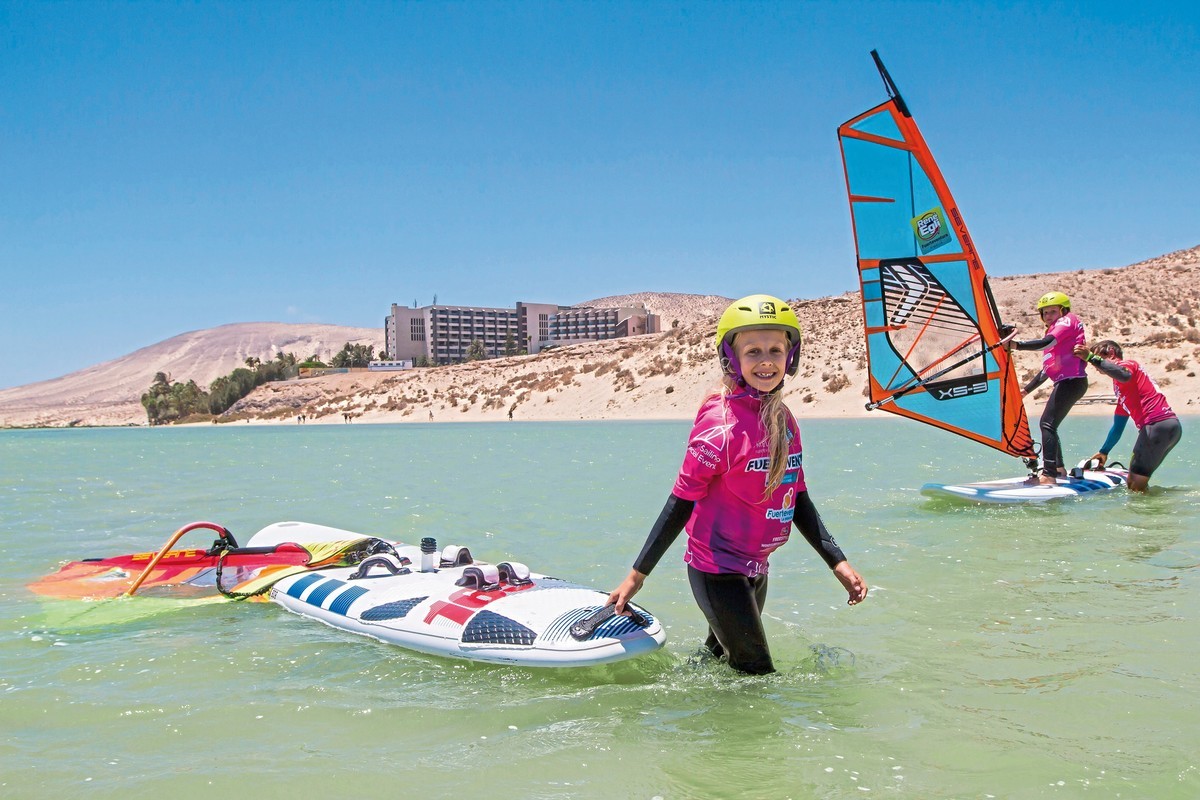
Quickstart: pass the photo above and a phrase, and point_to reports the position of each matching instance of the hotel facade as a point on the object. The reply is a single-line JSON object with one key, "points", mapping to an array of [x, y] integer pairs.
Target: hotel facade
{"points": [[444, 334]]}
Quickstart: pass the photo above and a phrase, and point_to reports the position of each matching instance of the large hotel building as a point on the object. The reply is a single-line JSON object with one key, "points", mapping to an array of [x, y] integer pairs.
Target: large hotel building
{"points": [[443, 334]]}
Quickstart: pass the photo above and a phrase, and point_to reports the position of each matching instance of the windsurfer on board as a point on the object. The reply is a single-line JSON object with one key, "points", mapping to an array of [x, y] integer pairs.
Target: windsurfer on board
{"points": [[741, 488], [1139, 398], [1064, 332]]}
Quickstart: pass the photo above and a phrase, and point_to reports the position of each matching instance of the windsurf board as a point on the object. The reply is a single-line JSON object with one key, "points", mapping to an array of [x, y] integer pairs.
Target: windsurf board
{"points": [[1027, 490]]}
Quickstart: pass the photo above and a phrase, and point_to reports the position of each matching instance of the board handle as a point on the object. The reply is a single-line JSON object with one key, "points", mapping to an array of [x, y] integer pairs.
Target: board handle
{"points": [[587, 626], [395, 566]]}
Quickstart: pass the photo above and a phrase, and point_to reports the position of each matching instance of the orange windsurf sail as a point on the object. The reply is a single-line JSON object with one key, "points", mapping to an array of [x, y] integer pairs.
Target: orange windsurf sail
{"points": [[933, 332]]}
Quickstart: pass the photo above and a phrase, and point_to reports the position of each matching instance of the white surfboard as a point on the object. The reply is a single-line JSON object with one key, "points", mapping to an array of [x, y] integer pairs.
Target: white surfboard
{"points": [[460, 606], [1025, 490]]}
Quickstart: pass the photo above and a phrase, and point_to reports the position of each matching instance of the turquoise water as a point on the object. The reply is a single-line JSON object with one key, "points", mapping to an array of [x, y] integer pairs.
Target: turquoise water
{"points": [[1003, 652]]}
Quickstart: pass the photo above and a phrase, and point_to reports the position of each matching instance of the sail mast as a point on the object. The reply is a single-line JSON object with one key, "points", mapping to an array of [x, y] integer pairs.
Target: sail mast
{"points": [[890, 85]]}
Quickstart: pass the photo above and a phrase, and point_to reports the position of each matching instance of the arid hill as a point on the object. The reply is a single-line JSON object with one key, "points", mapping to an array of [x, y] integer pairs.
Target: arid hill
{"points": [[1148, 306], [670, 307], [110, 393], [1151, 307]]}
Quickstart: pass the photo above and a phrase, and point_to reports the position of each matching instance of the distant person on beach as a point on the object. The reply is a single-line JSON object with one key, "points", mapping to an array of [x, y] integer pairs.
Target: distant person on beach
{"points": [[1138, 398], [741, 488], [1064, 332]]}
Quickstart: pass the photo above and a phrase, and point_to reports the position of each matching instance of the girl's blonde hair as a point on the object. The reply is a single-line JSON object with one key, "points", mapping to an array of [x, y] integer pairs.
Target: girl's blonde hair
{"points": [[773, 413], [774, 416]]}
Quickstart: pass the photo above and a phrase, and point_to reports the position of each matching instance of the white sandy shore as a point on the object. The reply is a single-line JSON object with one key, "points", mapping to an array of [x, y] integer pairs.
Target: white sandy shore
{"points": [[1151, 307]]}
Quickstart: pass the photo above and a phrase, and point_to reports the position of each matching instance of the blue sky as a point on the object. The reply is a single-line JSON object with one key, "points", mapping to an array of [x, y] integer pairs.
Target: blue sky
{"points": [[170, 167]]}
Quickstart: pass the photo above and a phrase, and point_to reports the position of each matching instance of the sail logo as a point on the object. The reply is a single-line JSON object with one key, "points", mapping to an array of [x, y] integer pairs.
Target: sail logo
{"points": [[955, 392], [931, 230]]}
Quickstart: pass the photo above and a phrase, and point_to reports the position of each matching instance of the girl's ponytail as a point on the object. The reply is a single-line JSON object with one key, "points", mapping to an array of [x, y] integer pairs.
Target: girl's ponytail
{"points": [[774, 416]]}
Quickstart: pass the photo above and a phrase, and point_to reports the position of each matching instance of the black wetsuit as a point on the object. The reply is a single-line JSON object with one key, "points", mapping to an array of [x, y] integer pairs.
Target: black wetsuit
{"points": [[733, 603], [1154, 440]]}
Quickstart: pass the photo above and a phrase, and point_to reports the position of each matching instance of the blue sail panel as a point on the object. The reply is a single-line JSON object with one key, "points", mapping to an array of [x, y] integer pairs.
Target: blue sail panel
{"points": [[902, 199], [932, 331]]}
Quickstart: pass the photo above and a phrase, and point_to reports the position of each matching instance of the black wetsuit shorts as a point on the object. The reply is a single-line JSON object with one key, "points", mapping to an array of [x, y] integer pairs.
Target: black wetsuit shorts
{"points": [[1153, 443], [733, 604]]}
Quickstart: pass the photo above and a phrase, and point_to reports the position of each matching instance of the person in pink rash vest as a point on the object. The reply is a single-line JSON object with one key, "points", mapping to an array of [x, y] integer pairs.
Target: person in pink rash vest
{"points": [[741, 488], [1139, 399], [1064, 332]]}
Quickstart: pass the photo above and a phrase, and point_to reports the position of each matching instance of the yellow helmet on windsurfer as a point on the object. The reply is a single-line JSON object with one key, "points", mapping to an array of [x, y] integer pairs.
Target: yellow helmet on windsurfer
{"points": [[757, 312], [1054, 299]]}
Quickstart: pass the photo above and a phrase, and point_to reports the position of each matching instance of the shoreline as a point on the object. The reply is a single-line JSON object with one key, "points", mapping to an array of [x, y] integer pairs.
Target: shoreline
{"points": [[1095, 408], [1152, 308]]}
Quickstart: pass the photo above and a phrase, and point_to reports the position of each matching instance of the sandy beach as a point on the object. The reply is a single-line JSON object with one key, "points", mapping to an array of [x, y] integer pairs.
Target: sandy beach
{"points": [[1151, 307]]}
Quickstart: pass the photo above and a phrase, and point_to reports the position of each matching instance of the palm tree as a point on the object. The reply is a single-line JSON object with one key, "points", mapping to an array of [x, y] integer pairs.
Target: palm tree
{"points": [[476, 351]]}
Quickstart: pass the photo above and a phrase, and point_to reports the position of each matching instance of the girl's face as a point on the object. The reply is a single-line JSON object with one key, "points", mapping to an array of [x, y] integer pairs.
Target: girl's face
{"points": [[762, 356], [1051, 315]]}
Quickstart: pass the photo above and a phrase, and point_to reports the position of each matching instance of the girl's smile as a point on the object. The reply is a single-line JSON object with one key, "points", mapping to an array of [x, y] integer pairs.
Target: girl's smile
{"points": [[762, 357]]}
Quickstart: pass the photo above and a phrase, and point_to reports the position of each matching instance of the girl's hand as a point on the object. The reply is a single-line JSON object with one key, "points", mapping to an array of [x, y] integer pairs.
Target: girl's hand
{"points": [[628, 588], [855, 586]]}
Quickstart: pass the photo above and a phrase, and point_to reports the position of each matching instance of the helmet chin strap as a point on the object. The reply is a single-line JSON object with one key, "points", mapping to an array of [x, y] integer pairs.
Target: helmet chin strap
{"points": [[730, 365]]}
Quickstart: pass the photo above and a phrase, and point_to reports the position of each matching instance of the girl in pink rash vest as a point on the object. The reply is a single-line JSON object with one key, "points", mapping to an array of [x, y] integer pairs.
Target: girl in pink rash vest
{"points": [[1139, 399], [741, 488], [1064, 332]]}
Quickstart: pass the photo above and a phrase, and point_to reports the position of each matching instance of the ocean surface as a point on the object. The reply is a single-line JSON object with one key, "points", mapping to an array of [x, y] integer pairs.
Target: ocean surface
{"points": [[1033, 652]]}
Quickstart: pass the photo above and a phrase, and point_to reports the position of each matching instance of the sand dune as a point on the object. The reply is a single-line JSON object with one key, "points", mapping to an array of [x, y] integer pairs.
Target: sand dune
{"points": [[110, 393], [1152, 307]]}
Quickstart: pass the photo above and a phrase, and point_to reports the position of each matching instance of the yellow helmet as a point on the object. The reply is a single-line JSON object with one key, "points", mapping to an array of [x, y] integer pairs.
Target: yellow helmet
{"points": [[757, 312], [1054, 299]]}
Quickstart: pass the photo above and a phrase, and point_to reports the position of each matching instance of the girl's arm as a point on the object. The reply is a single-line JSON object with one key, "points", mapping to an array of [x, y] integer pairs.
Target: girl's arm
{"points": [[674, 515], [1035, 344], [1112, 369], [810, 524], [1114, 436], [1034, 382], [813, 527]]}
